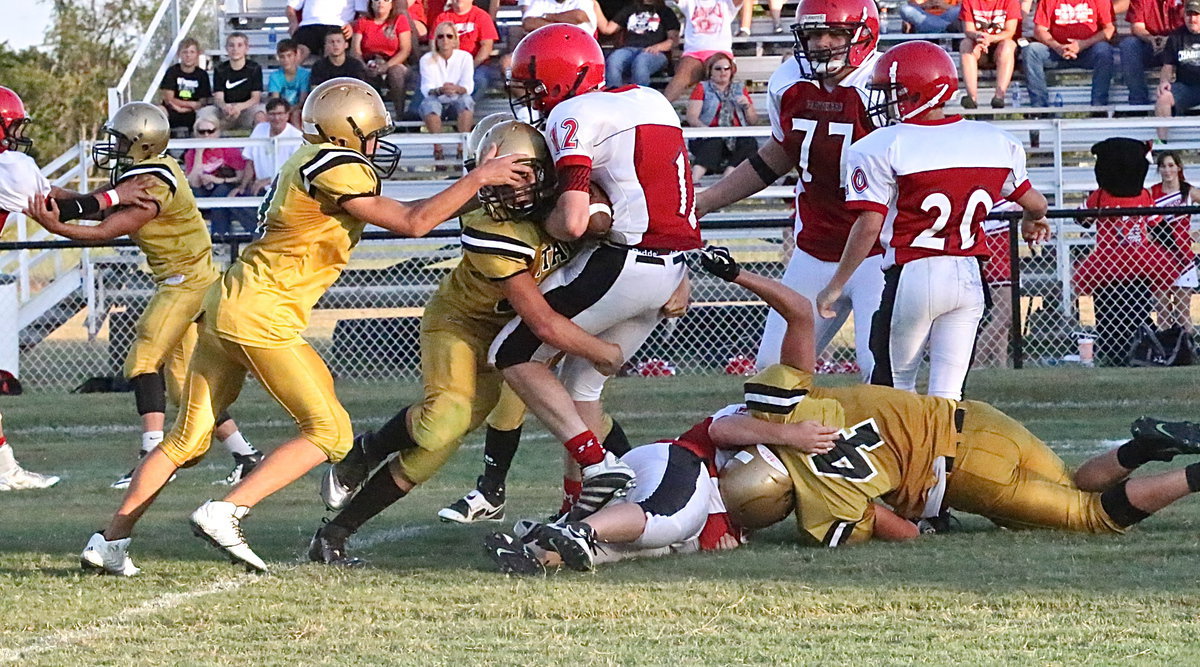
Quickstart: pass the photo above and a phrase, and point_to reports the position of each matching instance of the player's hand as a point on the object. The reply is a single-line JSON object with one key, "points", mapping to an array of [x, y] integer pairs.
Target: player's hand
{"points": [[504, 170], [811, 436], [611, 360], [1035, 231], [825, 300], [717, 261], [681, 298], [44, 211], [134, 191]]}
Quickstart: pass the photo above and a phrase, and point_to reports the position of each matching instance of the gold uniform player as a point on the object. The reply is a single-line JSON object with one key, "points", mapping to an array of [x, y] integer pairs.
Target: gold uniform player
{"points": [[506, 253], [312, 217], [174, 238]]}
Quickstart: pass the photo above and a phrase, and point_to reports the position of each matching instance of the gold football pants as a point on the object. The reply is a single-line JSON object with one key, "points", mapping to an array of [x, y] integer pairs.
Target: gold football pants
{"points": [[166, 335], [294, 376], [1005, 473]]}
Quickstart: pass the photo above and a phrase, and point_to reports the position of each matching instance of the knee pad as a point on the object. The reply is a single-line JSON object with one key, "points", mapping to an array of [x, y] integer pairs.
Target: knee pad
{"points": [[440, 420], [1116, 504], [185, 454], [149, 392], [332, 434]]}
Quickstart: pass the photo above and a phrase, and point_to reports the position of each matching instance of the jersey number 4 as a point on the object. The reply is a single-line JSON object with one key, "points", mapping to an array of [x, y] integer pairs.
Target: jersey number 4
{"points": [[847, 459]]}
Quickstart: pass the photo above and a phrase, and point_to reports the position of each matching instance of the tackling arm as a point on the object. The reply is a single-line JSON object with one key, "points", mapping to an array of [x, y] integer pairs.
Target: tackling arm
{"points": [[123, 222], [734, 431], [891, 527], [556, 330]]}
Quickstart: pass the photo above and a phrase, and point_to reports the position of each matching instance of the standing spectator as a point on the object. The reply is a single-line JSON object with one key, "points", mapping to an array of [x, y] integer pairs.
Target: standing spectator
{"points": [[477, 36], [774, 8], [337, 62], [928, 16], [237, 88], [545, 12], [309, 21], [1175, 302], [447, 78], [1179, 79], [649, 30], [1071, 33], [1150, 21], [707, 31], [185, 89], [216, 172], [383, 40], [290, 82], [991, 28], [263, 162], [719, 102]]}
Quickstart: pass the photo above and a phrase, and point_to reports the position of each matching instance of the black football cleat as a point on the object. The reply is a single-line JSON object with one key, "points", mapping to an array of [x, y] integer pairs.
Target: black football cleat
{"points": [[328, 546], [511, 556], [1168, 439], [575, 542]]}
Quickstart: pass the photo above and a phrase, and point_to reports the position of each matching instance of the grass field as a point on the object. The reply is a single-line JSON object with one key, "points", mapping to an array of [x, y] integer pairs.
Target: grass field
{"points": [[429, 597]]}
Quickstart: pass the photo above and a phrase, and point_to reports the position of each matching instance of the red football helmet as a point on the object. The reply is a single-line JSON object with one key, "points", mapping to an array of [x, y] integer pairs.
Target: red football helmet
{"points": [[910, 80], [858, 20], [553, 63], [12, 121]]}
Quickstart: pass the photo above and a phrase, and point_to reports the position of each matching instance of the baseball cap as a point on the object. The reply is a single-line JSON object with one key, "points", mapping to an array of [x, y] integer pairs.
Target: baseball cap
{"points": [[1191, 7]]}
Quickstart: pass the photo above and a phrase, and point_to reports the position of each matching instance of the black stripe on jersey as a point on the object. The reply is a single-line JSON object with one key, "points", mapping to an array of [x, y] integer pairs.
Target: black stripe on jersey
{"points": [[159, 171], [771, 399], [325, 160], [496, 244], [881, 329], [511, 275], [678, 483], [838, 533]]}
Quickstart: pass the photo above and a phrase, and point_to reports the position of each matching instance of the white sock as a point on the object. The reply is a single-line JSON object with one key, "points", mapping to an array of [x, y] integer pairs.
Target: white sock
{"points": [[8, 462], [238, 444], [150, 440]]}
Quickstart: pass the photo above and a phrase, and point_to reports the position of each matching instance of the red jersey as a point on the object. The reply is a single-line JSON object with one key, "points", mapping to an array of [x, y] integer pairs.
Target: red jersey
{"points": [[1073, 19], [1181, 225], [816, 126], [989, 16], [474, 26], [1125, 251], [697, 441], [1160, 16]]}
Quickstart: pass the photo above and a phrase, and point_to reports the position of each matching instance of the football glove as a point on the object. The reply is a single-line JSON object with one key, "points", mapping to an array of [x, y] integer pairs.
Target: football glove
{"points": [[717, 261]]}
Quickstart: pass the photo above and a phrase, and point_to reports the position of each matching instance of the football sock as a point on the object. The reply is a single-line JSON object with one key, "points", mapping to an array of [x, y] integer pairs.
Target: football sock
{"points": [[238, 444], [390, 438], [1116, 503], [8, 462], [499, 448], [1193, 477], [379, 493], [585, 449], [616, 441], [150, 440], [571, 490], [1136, 453]]}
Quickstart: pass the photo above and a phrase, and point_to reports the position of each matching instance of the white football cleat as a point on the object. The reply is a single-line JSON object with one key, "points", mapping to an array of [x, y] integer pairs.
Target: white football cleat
{"points": [[603, 482], [334, 494], [220, 523], [107, 556], [471, 508], [20, 479]]}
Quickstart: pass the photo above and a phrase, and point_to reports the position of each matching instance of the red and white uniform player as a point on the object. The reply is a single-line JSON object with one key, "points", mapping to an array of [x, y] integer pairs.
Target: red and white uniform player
{"points": [[923, 186]]}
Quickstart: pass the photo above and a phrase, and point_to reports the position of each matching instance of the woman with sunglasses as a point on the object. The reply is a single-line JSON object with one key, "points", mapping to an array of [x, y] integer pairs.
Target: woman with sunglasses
{"points": [[718, 102], [216, 172], [447, 79]]}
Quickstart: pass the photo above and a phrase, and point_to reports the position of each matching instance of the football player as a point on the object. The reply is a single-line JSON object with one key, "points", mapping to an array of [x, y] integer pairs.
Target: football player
{"points": [[175, 240], [506, 253], [926, 207], [311, 218], [818, 106]]}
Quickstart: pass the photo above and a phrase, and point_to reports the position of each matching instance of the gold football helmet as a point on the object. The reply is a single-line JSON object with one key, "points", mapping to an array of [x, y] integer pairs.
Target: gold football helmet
{"points": [[756, 488], [349, 113], [139, 131], [470, 157], [528, 202]]}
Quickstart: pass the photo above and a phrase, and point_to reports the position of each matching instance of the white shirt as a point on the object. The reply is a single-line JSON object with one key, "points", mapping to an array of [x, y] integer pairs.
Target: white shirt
{"points": [[707, 25], [266, 159], [436, 71], [324, 12], [539, 8], [20, 179]]}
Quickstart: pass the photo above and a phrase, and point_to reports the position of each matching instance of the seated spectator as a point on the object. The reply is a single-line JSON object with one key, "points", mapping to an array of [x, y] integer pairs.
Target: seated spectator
{"points": [[185, 89], [648, 30], [217, 172], [1070, 33], [309, 21], [1175, 233], [718, 101], [263, 162], [538, 13], [383, 40], [447, 78], [774, 7], [290, 82], [991, 28], [926, 16], [337, 62], [237, 88], [476, 35], [1150, 21], [707, 31], [1179, 78], [413, 11]]}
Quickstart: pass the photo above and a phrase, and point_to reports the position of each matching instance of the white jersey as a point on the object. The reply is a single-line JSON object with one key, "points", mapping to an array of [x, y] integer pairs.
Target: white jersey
{"points": [[707, 25], [20, 179], [934, 182], [539, 8], [631, 140]]}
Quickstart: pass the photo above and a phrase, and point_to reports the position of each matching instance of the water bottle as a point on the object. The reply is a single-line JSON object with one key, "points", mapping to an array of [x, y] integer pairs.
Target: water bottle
{"points": [[1058, 100], [1014, 94]]}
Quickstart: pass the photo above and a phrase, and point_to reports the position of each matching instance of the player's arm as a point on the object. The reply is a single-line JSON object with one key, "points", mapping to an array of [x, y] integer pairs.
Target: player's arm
{"points": [[74, 206], [124, 221], [751, 176], [862, 238], [1034, 226], [569, 219], [556, 330], [742, 430], [892, 527]]}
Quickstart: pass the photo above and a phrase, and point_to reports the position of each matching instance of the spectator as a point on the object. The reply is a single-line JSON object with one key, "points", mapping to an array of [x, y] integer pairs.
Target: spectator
{"points": [[1074, 33], [237, 88], [476, 35], [1179, 79], [309, 21], [383, 40], [185, 89], [413, 11], [707, 31], [263, 162], [774, 7], [928, 16], [337, 62], [216, 172], [447, 78], [545, 12], [649, 30], [720, 102], [290, 82], [1175, 233], [991, 28], [1150, 21]]}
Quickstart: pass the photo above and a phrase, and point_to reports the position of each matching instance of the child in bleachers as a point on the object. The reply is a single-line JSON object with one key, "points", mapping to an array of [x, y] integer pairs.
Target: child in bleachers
{"points": [[290, 82]]}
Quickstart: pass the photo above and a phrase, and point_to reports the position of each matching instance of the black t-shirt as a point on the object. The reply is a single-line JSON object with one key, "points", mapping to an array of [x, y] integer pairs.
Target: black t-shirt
{"points": [[645, 24], [323, 70], [187, 86], [237, 84], [1183, 51]]}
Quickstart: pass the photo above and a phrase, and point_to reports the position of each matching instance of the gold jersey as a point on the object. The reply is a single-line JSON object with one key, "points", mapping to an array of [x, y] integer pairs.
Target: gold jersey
{"points": [[176, 242], [266, 297]]}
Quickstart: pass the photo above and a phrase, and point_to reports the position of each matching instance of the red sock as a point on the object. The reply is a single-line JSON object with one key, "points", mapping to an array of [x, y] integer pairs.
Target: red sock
{"points": [[571, 490], [585, 448], [3, 441]]}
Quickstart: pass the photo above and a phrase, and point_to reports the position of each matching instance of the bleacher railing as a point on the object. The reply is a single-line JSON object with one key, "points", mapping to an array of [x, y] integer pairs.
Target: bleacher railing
{"points": [[156, 51]]}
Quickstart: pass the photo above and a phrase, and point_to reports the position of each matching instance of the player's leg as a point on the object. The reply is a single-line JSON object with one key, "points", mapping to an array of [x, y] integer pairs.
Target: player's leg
{"points": [[865, 289], [900, 328], [15, 478], [954, 330], [501, 438], [806, 275]]}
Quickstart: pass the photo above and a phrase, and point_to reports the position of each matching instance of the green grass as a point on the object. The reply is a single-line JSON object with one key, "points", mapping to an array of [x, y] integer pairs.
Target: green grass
{"points": [[978, 596]]}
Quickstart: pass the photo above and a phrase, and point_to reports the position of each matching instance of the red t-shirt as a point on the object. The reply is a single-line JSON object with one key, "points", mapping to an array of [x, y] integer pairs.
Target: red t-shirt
{"points": [[1073, 19], [989, 16], [698, 94], [381, 40], [215, 158], [416, 12], [1160, 16], [472, 27]]}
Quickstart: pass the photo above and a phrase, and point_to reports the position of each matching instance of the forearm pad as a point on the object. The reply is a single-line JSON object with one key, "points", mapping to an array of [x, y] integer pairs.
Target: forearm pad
{"points": [[77, 207]]}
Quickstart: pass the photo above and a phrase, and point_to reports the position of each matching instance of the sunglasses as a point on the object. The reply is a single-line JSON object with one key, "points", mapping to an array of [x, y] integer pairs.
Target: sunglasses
{"points": [[447, 37], [722, 69], [207, 130]]}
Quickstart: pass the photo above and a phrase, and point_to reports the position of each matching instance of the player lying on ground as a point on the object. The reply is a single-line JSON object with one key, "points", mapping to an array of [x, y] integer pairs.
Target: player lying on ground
{"points": [[178, 249], [313, 216]]}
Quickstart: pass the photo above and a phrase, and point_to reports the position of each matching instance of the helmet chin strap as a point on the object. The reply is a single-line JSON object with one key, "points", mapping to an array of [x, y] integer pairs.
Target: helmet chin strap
{"points": [[935, 101]]}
